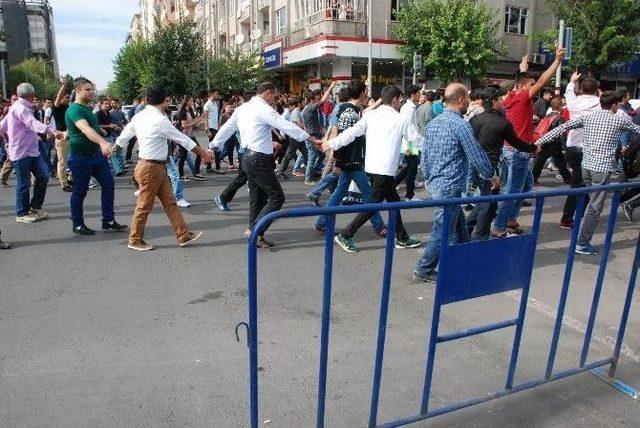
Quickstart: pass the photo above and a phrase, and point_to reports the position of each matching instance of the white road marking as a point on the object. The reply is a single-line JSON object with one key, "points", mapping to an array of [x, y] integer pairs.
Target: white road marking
{"points": [[575, 324]]}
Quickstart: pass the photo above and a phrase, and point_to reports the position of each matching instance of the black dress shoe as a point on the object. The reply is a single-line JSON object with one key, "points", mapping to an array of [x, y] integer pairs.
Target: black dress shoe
{"points": [[83, 230], [114, 226]]}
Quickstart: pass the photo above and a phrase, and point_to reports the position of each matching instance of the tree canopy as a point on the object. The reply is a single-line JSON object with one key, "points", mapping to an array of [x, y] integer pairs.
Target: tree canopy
{"points": [[36, 71], [604, 32], [458, 39]]}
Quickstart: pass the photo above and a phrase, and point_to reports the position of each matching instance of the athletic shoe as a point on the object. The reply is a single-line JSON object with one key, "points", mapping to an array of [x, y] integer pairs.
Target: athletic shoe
{"points": [[92, 185], [182, 203], [310, 182], [313, 199], [428, 278], [83, 230], [220, 203], [382, 232], [319, 228], [345, 243], [199, 177], [67, 188], [4, 245], [28, 218], [185, 179], [113, 226], [297, 173], [588, 250], [39, 214], [564, 224], [628, 212], [408, 243], [140, 246], [190, 237], [515, 230], [414, 199]]}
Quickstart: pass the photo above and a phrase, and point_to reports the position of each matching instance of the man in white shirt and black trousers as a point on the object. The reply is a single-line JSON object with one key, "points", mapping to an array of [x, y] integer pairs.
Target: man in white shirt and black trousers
{"points": [[255, 120], [153, 128], [384, 128]]}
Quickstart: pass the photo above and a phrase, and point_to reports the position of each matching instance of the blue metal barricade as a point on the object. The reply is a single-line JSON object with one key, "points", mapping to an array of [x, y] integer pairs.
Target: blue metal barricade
{"points": [[516, 262]]}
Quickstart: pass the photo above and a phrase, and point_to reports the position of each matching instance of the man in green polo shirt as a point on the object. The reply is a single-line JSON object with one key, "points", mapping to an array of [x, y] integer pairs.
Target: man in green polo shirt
{"points": [[88, 153]]}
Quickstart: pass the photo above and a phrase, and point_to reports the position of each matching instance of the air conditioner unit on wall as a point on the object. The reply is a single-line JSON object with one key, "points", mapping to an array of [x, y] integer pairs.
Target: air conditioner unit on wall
{"points": [[538, 59]]}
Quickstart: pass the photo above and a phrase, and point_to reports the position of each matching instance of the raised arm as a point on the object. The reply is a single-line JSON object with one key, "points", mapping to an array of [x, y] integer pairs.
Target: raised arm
{"points": [[58, 101], [326, 94], [548, 74], [570, 92]]}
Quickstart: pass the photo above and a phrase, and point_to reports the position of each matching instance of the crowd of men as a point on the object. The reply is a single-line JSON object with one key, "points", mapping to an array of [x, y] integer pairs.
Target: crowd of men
{"points": [[491, 140]]}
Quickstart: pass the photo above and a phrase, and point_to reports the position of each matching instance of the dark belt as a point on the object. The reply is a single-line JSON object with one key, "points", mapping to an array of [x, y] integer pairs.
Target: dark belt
{"points": [[248, 152], [153, 161]]}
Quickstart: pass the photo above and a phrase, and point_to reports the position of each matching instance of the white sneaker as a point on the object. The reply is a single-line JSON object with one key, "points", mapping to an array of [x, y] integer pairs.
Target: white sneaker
{"points": [[39, 214], [137, 193], [28, 218], [93, 185], [182, 203]]}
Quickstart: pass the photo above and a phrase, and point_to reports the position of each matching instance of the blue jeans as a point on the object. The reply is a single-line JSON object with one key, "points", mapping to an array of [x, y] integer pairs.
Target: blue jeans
{"points": [[329, 181], [83, 167], [24, 168], [518, 179], [174, 176], [299, 162], [315, 158], [45, 152], [344, 179], [116, 159], [457, 233]]}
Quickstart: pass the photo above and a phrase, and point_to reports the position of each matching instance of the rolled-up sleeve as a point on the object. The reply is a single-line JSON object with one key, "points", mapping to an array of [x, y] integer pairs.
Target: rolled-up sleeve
{"points": [[174, 135]]}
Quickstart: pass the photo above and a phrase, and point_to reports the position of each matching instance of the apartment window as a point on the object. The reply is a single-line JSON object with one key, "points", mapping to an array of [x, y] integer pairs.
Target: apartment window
{"points": [[515, 20], [395, 6], [232, 7], [281, 21]]}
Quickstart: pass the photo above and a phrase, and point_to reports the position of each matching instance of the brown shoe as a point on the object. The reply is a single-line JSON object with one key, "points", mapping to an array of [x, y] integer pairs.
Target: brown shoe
{"points": [[263, 243], [140, 246], [190, 237]]}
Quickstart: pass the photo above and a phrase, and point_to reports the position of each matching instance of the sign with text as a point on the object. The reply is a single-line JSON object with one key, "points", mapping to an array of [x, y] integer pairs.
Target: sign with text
{"points": [[272, 55]]}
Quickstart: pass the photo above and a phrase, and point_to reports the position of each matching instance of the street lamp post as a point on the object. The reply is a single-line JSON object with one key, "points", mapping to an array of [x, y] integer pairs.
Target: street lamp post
{"points": [[370, 62]]}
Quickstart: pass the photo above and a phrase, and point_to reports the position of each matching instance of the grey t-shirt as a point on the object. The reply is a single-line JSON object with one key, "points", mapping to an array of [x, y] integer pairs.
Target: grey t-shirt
{"points": [[311, 120]]}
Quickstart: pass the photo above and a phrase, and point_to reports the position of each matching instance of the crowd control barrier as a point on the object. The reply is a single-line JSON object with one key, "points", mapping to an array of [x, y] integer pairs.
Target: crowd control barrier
{"points": [[454, 285]]}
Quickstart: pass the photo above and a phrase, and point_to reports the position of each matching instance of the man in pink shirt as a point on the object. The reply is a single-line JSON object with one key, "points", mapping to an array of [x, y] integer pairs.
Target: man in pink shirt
{"points": [[22, 129]]}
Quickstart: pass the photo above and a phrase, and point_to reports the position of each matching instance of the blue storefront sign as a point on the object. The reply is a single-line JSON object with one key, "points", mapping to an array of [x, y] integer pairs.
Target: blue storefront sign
{"points": [[272, 57]]}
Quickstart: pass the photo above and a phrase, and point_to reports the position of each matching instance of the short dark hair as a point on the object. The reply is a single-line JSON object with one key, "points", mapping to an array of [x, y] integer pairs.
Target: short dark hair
{"points": [[430, 96], [78, 82], [155, 94], [344, 95], [557, 103], [523, 77], [213, 91], [547, 91], [295, 102], [476, 94], [589, 86], [356, 88], [388, 93], [412, 90], [264, 87], [609, 99], [246, 97]]}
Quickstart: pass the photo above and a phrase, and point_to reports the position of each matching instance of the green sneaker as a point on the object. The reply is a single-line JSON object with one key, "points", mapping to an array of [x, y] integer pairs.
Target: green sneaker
{"points": [[408, 243], [345, 243]]}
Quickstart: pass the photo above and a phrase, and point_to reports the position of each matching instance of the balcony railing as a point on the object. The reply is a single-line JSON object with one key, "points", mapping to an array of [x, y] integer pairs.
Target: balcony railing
{"points": [[330, 14]]}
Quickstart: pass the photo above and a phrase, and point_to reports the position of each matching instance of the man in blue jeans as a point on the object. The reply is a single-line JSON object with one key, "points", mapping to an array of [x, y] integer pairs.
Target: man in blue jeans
{"points": [[349, 160], [22, 128], [311, 118], [88, 157], [449, 151]]}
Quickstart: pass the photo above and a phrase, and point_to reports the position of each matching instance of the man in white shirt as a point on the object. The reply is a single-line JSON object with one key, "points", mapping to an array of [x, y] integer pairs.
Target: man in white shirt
{"points": [[211, 112], [410, 152], [384, 128], [255, 120], [587, 102], [153, 128]]}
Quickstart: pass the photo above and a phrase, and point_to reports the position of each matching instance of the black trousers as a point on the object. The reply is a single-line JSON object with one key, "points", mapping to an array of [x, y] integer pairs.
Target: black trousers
{"points": [[291, 154], [479, 221], [183, 158], [132, 142], [408, 174], [216, 153], [265, 192], [574, 160], [383, 188], [241, 179], [630, 194], [551, 150]]}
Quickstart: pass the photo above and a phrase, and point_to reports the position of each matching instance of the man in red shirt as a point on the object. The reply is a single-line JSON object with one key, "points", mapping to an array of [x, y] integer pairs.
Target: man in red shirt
{"points": [[518, 107]]}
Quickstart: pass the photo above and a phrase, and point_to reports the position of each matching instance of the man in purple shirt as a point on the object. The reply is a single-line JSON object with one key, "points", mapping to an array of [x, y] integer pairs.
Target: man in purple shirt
{"points": [[22, 129]]}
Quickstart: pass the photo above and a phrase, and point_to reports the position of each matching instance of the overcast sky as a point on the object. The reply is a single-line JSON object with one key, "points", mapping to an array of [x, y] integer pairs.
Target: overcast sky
{"points": [[89, 33]]}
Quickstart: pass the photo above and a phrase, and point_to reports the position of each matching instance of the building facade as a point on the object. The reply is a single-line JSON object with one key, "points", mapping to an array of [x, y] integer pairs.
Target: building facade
{"points": [[159, 12], [307, 43]]}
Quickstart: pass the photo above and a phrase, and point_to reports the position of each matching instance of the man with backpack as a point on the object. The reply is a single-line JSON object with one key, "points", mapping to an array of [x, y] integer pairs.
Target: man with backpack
{"points": [[553, 149]]}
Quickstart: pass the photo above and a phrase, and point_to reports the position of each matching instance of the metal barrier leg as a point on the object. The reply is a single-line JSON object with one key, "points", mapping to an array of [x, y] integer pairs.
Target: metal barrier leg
{"points": [[382, 321], [252, 276], [326, 318], [435, 320], [610, 376], [615, 202], [515, 350], [565, 286]]}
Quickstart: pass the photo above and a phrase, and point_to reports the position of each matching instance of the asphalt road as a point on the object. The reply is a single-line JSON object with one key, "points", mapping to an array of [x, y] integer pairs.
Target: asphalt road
{"points": [[95, 335]]}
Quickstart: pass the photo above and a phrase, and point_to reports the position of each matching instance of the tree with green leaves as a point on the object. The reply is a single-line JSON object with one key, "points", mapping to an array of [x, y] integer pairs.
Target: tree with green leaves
{"points": [[458, 39], [36, 71], [604, 32], [234, 71]]}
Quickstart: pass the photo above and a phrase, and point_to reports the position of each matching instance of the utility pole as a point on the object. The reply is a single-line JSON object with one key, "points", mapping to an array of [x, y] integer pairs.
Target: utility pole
{"points": [[370, 62], [561, 45]]}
